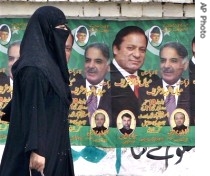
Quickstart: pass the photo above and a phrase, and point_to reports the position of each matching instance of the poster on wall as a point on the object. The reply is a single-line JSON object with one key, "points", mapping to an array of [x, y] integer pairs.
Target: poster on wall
{"points": [[123, 95]]}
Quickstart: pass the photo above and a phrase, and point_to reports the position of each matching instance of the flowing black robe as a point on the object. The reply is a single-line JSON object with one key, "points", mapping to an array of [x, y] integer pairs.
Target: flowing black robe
{"points": [[41, 99], [39, 124]]}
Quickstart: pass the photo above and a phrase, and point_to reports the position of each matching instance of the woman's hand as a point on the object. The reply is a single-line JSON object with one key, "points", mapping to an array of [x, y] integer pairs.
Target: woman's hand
{"points": [[37, 162]]}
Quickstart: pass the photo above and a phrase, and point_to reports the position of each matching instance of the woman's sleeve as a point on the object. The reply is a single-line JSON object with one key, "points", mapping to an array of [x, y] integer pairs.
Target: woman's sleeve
{"points": [[34, 88]]}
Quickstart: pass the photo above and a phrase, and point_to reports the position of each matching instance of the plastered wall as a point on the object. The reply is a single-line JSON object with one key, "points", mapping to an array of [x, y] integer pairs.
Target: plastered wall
{"points": [[103, 9]]}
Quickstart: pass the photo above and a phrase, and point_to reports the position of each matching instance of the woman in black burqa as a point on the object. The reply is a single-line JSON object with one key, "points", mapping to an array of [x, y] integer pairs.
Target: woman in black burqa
{"points": [[38, 135]]}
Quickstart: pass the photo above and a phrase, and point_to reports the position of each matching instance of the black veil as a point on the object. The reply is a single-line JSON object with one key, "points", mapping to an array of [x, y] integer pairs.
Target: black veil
{"points": [[43, 46]]}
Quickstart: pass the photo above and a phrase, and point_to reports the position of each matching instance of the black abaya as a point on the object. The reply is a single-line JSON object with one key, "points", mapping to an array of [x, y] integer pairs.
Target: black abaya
{"points": [[41, 99], [45, 132]]}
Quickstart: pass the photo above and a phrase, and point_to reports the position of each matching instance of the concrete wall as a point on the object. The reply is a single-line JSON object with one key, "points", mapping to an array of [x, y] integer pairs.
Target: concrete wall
{"points": [[104, 9]]}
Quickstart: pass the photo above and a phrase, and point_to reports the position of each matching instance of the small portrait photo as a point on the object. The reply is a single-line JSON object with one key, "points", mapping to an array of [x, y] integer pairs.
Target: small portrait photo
{"points": [[179, 120], [155, 36], [81, 35], [5, 34], [126, 122], [100, 121]]}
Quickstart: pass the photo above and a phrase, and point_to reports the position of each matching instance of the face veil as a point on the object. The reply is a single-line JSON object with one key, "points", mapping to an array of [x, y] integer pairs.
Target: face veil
{"points": [[43, 46]]}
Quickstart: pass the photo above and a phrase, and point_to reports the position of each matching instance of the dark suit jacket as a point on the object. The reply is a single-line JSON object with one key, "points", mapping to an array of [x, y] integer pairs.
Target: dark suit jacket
{"points": [[192, 90], [123, 98], [100, 129], [75, 75], [5, 95], [180, 128], [153, 110], [123, 131], [78, 110]]}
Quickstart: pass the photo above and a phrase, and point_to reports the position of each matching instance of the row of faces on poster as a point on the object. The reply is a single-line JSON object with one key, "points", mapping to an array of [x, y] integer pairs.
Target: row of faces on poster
{"points": [[82, 35], [126, 120]]}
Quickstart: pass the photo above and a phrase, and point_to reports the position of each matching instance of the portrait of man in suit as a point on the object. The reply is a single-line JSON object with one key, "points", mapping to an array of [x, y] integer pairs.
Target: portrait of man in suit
{"points": [[171, 91], [179, 120], [92, 92], [126, 122], [68, 46], [6, 79], [74, 73], [100, 125], [13, 53], [129, 50]]}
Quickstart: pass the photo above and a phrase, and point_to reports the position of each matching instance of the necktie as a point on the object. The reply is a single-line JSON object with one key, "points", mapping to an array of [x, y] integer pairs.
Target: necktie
{"points": [[170, 100], [92, 101], [133, 80]]}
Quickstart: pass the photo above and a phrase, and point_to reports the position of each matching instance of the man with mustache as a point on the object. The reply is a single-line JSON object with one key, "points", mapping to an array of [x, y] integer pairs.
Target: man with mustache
{"points": [[126, 122], [93, 91], [155, 36], [156, 108], [81, 36], [6, 81], [4, 34]]}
